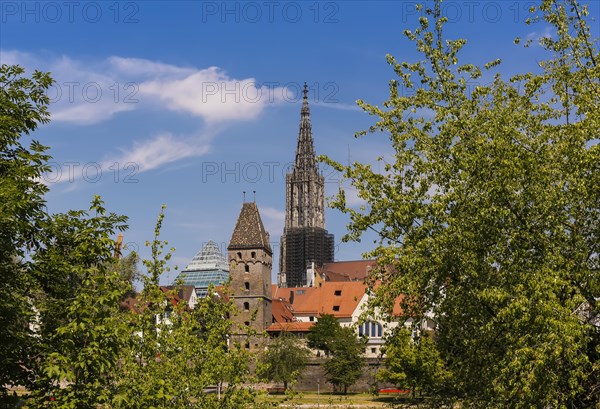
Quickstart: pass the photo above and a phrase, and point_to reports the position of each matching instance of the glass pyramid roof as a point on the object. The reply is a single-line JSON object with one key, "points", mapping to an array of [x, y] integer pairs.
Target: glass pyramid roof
{"points": [[209, 258]]}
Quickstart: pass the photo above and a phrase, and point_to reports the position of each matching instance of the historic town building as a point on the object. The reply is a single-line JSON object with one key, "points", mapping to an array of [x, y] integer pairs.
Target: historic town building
{"points": [[304, 243], [250, 261]]}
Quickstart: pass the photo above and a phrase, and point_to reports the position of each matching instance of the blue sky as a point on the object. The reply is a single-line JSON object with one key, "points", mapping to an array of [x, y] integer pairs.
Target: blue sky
{"points": [[189, 103]]}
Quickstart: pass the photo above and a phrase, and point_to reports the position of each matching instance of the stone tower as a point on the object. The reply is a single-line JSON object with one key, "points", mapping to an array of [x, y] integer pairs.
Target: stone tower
{"points": [[250, 264], [305, 240]]}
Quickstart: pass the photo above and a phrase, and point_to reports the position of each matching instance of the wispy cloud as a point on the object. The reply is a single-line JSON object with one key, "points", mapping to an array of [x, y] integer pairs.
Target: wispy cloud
{"points": [[162, 149], [88, 92], [142, 156]]}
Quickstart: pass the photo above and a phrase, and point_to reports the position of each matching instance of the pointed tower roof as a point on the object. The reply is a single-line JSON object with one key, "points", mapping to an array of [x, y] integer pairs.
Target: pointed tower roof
{"points": [[305, 152], [209, 258], [249, 232]]}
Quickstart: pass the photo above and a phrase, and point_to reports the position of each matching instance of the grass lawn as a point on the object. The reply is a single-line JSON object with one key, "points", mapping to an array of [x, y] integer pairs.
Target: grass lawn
{"points": [[330, 400]]}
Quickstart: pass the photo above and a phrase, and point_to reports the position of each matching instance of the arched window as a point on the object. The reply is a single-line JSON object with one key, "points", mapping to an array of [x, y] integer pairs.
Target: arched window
{"points": [[246, 268], [253, 254], [239, 254], [246, 306], [247, 285]]}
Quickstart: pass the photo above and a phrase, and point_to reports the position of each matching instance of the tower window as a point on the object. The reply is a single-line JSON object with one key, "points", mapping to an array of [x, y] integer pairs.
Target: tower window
{"points": [[253, 254], [247, 268], [336, 307], [246, 306], [239, 254], [247, 323], [247, 285]]}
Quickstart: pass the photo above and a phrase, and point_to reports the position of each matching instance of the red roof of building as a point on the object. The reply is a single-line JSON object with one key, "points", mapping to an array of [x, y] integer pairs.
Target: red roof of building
{"points": [[337, 298], [356, 270], [282, 311]]}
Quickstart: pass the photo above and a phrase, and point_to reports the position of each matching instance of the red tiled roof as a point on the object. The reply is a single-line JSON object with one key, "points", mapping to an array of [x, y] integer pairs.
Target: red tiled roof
{"points": [[282, 311], [343, 296], [356, 270]]}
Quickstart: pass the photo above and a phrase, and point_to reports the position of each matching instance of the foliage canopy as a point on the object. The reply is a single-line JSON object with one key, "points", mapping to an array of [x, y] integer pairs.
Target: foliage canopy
{"points": [[488, 211]]}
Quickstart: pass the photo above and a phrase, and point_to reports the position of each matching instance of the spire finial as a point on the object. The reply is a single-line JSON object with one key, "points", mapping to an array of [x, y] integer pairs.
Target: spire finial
{"points": [[244, 192], [254, 192], [305, 91]]}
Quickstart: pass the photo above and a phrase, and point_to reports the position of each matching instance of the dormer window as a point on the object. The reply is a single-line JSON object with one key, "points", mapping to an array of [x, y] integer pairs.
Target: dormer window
{"points": [[337, 293], [336, 307]]}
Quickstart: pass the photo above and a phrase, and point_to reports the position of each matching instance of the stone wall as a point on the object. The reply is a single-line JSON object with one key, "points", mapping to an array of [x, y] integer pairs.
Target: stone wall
{"points": [[314, 374]]}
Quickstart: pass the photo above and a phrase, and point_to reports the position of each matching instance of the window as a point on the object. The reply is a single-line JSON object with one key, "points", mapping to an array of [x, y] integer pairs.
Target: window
{"points": [[336, 307], [247, 285], [373, 350], [247, 323], [246, 306], [239, 254], [370, 330], [246, 268], [311, 318], [247, 345], [253, 254], [338, 292]]}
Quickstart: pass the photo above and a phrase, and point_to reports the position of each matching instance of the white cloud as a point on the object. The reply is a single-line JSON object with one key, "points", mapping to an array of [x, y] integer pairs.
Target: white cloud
{"points": [[143, 67], [143, 156], [88, 92], [212, 95], [161, 150]]}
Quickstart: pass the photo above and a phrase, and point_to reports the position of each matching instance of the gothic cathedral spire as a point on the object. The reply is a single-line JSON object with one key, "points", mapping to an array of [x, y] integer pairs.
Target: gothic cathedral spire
{"points": [[305, 240]]}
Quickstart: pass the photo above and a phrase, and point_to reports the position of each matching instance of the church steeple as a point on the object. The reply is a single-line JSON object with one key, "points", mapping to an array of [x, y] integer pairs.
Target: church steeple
{"points": [[305, 185], [305, 152], [304, 240]]}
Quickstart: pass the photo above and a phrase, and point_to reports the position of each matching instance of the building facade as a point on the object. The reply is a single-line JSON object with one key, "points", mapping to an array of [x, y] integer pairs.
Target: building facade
{"points": [[305, 242], [250, 264]]}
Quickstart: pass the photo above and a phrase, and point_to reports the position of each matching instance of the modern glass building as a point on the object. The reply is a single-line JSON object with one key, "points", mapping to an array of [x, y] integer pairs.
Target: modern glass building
{"points": [[208, 267]]}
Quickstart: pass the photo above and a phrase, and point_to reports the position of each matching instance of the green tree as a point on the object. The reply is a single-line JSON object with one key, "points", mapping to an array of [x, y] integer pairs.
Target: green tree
{"points": [[79, 322], [323, 334], [178, 362], [284, 359], [127, 267], [413, 363], [488, 213], [23, 106], [345, 365]]}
